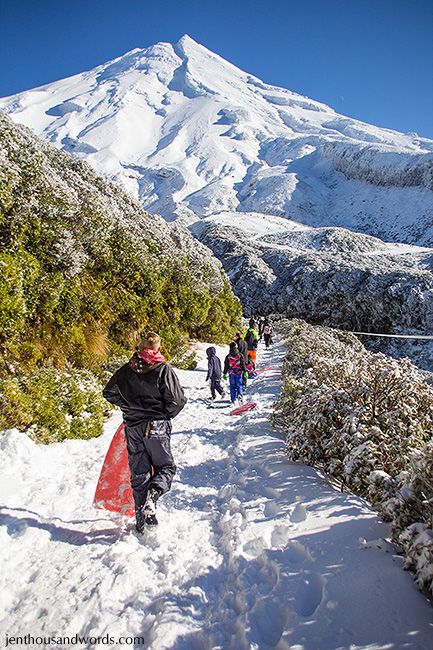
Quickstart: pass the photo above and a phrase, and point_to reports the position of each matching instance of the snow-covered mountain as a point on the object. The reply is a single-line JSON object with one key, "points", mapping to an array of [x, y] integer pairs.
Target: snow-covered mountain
{"points": [[190, 134], [326, 275]]}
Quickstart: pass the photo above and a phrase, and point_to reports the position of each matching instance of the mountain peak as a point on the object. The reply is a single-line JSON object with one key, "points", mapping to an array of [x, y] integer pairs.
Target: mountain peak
{"points": [[187, 46], [186, 41]]}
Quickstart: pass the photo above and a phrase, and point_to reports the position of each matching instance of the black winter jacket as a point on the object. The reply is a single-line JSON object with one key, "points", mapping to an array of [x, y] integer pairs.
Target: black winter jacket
{"points": [[144, 392], [243, 349]]}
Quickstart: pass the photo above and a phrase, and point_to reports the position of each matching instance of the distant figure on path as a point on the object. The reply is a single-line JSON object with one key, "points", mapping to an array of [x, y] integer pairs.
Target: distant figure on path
{"points": [[214, 373], [252, 340], [261, 323], [267, 333], [251, 368], [243, 350]]}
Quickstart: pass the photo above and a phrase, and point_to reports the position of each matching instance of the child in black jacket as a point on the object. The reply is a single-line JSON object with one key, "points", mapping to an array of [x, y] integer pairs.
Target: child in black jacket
{"points": [[214, 373]]}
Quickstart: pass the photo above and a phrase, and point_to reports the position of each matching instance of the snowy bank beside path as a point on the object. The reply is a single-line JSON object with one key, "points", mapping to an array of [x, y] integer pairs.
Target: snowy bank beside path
{"points": [[252, 551]]}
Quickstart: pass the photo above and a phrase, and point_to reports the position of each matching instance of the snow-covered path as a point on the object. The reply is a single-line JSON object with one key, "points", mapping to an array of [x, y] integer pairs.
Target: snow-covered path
{"points": [[252, 551]]}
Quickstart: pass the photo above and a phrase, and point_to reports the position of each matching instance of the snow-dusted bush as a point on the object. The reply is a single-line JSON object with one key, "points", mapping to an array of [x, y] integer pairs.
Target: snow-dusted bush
{"points": [[187, 362], [366, 419], [83, 269], [409, 509], [52, 405], [83, 263]]}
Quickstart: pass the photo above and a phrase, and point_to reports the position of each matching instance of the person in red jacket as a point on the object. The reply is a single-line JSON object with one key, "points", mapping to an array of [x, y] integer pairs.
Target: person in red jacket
{"points": [[149, 394], [234, 366]]}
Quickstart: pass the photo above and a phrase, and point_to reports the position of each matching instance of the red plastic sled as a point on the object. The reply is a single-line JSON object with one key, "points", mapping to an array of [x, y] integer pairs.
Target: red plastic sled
{"points": [[244, 408], [113, 491], [260, 370]]}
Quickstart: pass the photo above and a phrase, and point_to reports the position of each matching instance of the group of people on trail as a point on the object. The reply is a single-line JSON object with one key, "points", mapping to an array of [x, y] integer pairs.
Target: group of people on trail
{"points": [[240, 363], [149, 394]]}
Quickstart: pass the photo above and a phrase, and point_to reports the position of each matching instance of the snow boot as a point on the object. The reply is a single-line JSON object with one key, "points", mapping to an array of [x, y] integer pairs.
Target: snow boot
{"points": [[146, 515], [139, 521], [149, 507], [143, 519], [150, 520]]}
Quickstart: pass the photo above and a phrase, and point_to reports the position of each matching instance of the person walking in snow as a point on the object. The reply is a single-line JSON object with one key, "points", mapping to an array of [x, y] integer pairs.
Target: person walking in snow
{"points": [[252, 340], [234, 366], [243, 351], [149, 394], [261, 323], [267, 333], [214, 373], [251, 368]]}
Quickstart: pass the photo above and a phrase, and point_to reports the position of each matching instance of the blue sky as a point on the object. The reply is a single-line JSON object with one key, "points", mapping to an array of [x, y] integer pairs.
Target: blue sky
{"points": [[369, 59]]}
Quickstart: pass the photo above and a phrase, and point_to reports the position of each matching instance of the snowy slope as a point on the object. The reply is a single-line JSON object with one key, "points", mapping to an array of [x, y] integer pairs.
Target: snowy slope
{"points": [[326, 275], [190, 134], [252, 551]]}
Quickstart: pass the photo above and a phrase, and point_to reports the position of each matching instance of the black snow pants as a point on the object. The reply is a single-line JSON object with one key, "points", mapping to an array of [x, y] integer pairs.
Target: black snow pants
{"points": [[215, 385], [149, 447], [268, 339]]}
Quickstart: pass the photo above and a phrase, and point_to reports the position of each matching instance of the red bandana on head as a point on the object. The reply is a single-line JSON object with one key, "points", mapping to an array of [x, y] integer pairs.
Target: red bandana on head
{"points": [[151, 356]]}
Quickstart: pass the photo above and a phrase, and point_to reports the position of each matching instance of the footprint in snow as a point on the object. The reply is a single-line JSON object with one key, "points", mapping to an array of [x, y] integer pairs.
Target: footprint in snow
{"points": [[272, 509], [269, 575], [309, 594], [280, 536], [296, 553], [255, 547], [33, 576], [298, 514], [268, 620], [270, 492]]}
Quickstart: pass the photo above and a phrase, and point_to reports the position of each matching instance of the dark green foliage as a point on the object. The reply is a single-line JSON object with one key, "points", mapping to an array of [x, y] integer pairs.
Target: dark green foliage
{"points": [[188, 362], [224, 317], [83, 270], [53, 405]]}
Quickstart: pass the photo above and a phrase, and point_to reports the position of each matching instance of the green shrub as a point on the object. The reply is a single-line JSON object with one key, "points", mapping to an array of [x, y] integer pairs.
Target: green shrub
{"points": [[53, 405], [188, 362], [367, 420], [83, 269]]}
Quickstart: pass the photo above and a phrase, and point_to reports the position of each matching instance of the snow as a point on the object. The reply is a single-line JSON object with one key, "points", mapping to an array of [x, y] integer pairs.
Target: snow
{"points": [[272, 231], [183, 129], [252, 551]]}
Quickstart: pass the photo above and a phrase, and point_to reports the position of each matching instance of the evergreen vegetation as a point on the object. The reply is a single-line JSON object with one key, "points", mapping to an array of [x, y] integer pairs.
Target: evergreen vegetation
{"points": [[83, 270], [366, 420]]}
